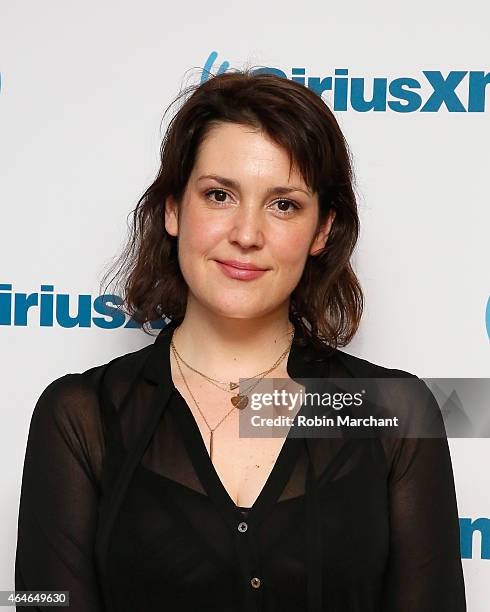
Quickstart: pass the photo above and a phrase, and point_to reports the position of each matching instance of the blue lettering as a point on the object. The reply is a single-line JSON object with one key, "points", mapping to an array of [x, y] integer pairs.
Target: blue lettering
{"points": [[467, 528], [106, 305], [377, 102], [82, 319], [487, 316], [22, 304], [298, 75], [5, 304], [320, 85], [404, 99], [269, 70], [397, 90], [341, 90], [477, 91], [46, 318], [101, 307], [444, 91]]}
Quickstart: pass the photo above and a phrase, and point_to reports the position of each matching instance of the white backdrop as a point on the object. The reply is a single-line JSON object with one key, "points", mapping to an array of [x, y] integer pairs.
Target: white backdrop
{"points": [[83, 89]]}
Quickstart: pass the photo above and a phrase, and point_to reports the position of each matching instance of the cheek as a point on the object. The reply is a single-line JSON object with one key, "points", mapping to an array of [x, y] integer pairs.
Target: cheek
{"points": [[199, 232], [291, 249]]}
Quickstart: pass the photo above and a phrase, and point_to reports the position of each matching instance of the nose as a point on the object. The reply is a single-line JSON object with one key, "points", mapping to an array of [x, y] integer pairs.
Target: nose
{"points": [[247, 227]]}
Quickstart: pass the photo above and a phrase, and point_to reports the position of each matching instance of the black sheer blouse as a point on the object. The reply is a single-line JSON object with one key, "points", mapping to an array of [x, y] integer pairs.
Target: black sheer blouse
{"points": [[121, 505]]}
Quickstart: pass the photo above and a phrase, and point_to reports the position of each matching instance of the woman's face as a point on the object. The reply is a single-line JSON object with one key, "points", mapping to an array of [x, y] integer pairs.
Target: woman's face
{"points": [[240, 205]]}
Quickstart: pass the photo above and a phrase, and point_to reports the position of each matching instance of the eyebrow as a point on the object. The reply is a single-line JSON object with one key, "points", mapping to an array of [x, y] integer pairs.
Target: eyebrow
{"points": [[232, 184]]}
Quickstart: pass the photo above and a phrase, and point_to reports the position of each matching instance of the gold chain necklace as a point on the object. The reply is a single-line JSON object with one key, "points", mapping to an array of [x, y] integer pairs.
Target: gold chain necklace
{"points": [[238, 401], [233, 385]]}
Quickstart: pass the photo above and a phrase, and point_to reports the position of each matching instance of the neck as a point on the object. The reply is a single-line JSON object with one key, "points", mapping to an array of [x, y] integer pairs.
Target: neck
{"points": [[230, 348]]}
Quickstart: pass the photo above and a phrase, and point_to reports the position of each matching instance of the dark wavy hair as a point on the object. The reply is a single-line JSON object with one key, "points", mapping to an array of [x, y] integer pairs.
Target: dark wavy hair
{"points": [[328, 301]]}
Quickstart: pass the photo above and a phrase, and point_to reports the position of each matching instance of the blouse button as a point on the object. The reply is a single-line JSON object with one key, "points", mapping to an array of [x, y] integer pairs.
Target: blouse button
{"points": [[255, 582], [242, 527]]}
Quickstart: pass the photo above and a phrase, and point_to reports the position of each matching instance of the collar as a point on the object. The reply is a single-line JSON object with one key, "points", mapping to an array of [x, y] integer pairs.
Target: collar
{"points": [[303, 361]]}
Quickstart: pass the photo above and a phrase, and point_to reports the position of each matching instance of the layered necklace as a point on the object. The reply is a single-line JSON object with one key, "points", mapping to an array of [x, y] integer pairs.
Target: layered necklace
{"points": [[239, 401]]}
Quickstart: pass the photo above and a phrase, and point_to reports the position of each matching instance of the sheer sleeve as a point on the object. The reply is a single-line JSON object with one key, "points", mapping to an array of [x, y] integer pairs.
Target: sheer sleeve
{"points": [[424, 572], [59, 495]]}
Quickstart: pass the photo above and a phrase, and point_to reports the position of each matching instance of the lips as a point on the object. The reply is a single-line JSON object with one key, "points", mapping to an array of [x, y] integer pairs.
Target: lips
{"points": [[250, 272], [240, 265]]}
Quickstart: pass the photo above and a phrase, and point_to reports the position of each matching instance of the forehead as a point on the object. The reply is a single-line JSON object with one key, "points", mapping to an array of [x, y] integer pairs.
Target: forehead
{"points": [[235, 150]]}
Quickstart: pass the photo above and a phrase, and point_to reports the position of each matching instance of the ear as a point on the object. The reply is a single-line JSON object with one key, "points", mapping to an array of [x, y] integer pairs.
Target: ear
{"points": [[171, 216], [322, 234]]}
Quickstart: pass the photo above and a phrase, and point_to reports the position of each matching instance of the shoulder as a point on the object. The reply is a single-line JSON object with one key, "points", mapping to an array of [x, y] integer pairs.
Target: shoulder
{"points": [[397, 384], [76, 397], [362, 368], [397, 393]]}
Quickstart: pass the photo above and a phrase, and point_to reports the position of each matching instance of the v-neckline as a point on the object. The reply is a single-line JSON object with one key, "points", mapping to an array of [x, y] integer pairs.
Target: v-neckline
{"points": [[209, 477], [205, 469], [303, 361]]}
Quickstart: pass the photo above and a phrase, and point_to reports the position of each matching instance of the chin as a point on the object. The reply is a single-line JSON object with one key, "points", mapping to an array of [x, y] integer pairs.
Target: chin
{"points": [[231, 310]]}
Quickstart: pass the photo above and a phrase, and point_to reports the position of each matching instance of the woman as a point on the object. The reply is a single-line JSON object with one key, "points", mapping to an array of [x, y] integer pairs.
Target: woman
{"points": [[138, 493]]}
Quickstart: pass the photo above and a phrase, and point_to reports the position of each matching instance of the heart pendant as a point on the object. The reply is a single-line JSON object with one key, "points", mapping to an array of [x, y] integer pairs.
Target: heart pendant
{"points": [[239, 401]]}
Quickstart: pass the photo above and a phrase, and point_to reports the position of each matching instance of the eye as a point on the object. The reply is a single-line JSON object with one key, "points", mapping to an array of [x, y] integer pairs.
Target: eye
{"points": [[223, 194], [213, 191], [287, 213]]}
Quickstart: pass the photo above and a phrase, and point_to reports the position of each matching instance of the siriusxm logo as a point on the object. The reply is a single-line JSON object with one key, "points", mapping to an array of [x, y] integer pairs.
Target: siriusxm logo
{"points": [[467, 529], [487, 317], [47, 309], [458, 91]]}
